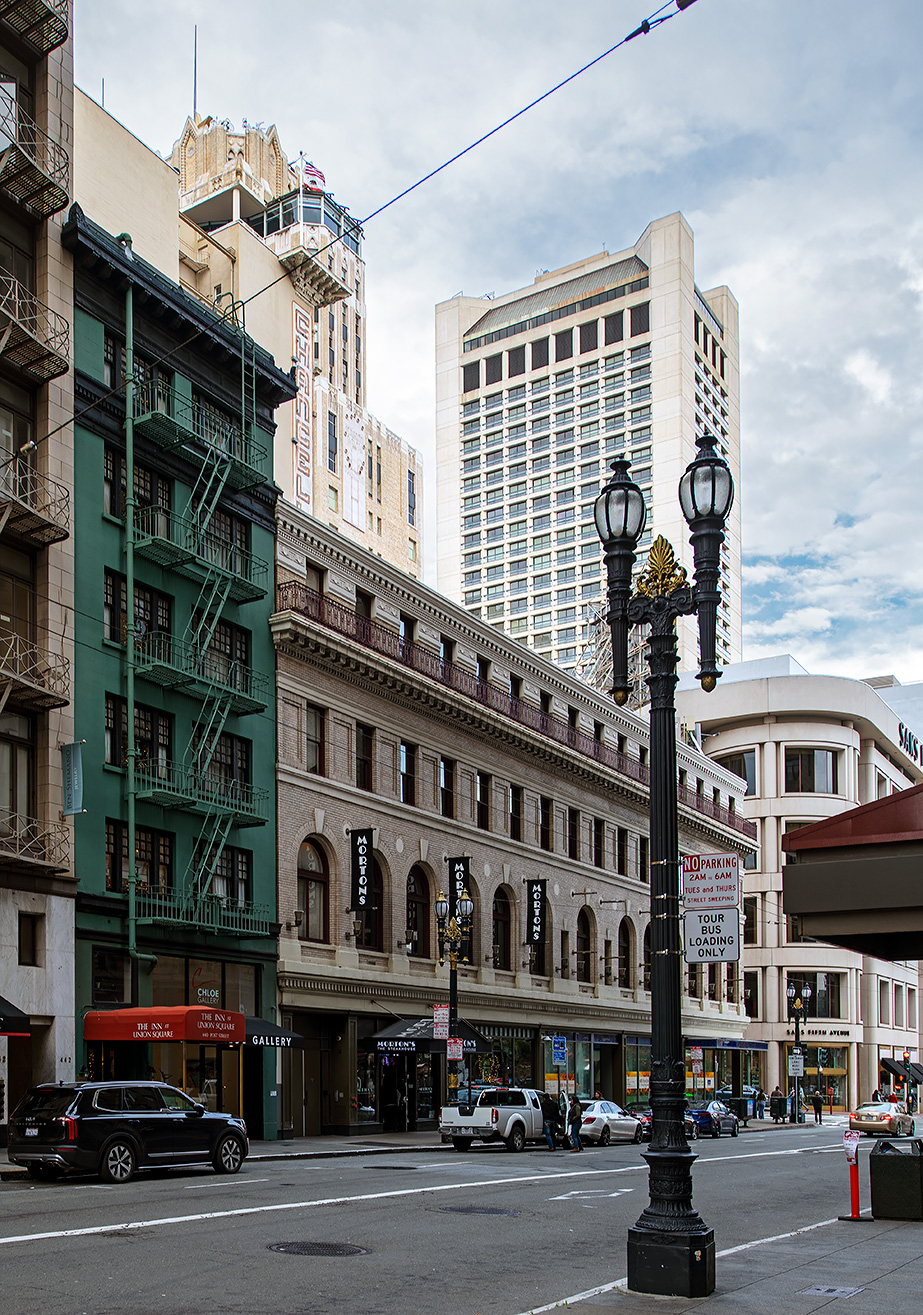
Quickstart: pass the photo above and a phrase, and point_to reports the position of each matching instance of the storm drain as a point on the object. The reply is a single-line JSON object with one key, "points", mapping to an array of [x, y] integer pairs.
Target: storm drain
{"points": [[318, 1249], [820, 1291], [476, 1210]]}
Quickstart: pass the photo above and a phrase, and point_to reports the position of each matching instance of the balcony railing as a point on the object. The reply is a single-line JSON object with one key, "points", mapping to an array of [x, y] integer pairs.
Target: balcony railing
{"points": [[163, 782], [210, 913], [173, 420], [174, 662], [179, 785], [183, 545], [42, 24], [296, 597], [37, 680], [33, 338], [33, 168], [26, 842], [35, 508]]}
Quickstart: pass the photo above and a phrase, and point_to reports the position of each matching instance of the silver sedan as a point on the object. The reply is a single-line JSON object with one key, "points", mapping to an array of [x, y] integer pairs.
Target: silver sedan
{"points": [[604, 1121], [877, 1118]]}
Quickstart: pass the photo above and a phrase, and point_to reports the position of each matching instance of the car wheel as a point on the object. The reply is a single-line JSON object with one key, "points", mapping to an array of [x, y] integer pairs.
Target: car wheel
{"points": [[735, 1130], [516, 1139], [605, 1137], [462, 1143], [639, 1134], [119, 1163], [229, 1155]]}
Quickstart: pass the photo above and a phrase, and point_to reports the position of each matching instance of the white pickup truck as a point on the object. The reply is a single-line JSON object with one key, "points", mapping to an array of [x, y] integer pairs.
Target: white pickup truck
{"points": [[508, 1114]]}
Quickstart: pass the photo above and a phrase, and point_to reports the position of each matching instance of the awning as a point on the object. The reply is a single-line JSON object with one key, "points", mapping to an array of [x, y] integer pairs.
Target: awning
{"points": [[409, 1035], [166, 1023], [13, 1022], [909, 1072], [262, 1033]]}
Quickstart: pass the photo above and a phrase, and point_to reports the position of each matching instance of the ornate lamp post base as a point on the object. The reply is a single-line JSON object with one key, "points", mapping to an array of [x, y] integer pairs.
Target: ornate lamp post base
{"points": [[671, 1266]]}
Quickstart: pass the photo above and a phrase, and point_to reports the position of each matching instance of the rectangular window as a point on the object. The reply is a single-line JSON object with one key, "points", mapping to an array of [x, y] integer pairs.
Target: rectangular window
{"points": [[825, 998], [564, 345], [153, 857], [752, 994], [644, 858], [482, 800], [332, 442], [810, 771], [599, 834], [378, 474], [884, 1003], [150, 489], [742, 764], [573, 833], [315, 738], [365, 749], [408, 773], [152, 610], [751, 920], [411, 498], [621, 851], [447, 787], [614, 327], [471, 376], [493, 369], [539, 353], [545, 824], [232, 879], [516, 363], [153, 736], [516, 812], [333, 499], [30, 939], [589, 336], [640, 319]]}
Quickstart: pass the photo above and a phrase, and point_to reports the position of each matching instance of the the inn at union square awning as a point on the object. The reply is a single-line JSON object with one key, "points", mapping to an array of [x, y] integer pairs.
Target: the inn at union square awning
{"points": [[186, 1023], [856, 879]]}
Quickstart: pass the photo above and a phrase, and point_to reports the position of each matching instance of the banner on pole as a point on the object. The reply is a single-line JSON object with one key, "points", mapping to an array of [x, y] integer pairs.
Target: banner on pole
{"points": [[458, 881], [72, 769]]}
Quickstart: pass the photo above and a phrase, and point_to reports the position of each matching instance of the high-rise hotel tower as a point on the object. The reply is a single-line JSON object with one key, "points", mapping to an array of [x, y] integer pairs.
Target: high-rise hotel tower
{"points": [[537, 390]]}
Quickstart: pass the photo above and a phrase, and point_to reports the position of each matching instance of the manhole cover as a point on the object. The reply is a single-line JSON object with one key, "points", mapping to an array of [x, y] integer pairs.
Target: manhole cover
{"points": [[318, 1249], [819, 1290], [404, 1168], [476, 1210]]}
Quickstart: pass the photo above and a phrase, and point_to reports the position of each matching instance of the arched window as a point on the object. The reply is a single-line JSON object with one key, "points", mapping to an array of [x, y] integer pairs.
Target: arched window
{"points": [[372, 919], [313, 892], [503, 931], [418, 913], [624, 968], [646, 960], [584, 947]]}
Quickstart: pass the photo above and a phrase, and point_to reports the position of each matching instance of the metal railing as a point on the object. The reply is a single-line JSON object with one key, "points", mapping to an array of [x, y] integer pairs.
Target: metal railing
{"points": [[187, 660], [46, 500], [193, 419], [42, 24], [27, 839], [186, 786], [213, 913], [47, 329], [25, 661], [296, 597], [195, 541], [33, 168]]}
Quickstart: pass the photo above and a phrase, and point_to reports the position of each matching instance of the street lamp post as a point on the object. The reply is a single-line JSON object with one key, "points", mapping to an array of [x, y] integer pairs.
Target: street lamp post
{"points": [[671, 1250], [797, 1010], [453, 936]]}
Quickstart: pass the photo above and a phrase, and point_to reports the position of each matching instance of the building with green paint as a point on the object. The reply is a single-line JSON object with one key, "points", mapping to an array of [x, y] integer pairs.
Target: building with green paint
{"points": [[175, 853]]}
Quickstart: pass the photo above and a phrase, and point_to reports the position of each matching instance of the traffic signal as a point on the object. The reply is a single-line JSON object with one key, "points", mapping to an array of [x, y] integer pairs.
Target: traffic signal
{"points": [[906, 1056]]}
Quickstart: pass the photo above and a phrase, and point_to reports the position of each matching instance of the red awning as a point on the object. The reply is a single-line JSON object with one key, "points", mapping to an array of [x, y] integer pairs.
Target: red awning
{"points": [[172, 1023]]}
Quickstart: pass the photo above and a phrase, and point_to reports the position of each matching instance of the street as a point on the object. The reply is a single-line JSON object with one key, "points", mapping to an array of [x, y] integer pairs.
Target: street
{"points": [[485, 1233]]}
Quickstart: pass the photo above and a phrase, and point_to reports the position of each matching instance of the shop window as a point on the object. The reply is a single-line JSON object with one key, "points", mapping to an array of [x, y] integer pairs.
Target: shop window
{"points": [[584, 948], [502, 931], [313, 892], [418, 900]]}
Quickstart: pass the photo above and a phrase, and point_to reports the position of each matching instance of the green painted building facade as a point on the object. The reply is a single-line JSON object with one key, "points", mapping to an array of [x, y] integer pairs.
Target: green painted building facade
{"points": [[185, 912]]}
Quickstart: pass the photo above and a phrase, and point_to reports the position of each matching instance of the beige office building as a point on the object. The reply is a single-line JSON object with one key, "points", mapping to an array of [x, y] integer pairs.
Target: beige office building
{"points": [[537, 390]]}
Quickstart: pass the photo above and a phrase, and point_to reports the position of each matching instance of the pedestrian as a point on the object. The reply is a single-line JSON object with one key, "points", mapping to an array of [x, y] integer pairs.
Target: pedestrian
{"points": [[574, 1120], [777, 1109], [817, 1101], [893, 1098], [876, 1096], [551, 1119], [760, 1103]]}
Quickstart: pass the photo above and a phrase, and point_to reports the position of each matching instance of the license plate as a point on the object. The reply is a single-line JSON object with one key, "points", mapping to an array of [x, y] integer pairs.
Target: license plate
{"points": [[31, 1132], [466, 1132]]}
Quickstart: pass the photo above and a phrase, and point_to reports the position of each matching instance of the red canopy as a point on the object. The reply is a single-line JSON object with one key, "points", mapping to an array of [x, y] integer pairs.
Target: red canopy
{"points": [[167, 1023]]}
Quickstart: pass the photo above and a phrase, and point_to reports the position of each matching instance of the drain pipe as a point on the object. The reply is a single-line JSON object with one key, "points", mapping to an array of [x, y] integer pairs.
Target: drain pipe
{"points": [[124, 239]]}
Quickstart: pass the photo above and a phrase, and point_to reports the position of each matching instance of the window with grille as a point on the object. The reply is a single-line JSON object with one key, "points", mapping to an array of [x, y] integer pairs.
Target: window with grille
{"points": [[150, 489], [152, 610], [153, 735], [313, 891], [153, 857]]}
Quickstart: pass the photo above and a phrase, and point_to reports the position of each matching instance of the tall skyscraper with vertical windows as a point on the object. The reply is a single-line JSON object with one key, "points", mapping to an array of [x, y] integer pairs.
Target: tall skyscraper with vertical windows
{"points": [[537, 390]]}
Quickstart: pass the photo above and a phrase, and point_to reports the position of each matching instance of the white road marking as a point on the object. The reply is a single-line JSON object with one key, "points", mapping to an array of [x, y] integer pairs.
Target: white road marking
{"points": [[216, 1182], [623, 1282]]}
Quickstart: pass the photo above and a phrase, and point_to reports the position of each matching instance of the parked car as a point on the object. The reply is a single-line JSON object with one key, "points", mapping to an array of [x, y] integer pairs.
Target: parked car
{"points": [[642, 1110], [748, 1092], [116, 1128], [604, 1121], [882, 1118], [712, 1118]]}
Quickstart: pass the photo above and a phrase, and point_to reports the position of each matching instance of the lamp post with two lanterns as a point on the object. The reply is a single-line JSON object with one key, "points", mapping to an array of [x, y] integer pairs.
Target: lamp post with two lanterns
{"points": [[671, 1250], [798, 1006], [454, 929]]}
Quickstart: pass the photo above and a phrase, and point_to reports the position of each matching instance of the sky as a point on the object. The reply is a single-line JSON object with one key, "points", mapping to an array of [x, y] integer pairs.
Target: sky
{"points": [[788, 132]]}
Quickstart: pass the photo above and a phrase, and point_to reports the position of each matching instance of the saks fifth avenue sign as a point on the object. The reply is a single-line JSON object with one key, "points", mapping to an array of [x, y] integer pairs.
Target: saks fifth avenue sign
{"points": [[909, 743]]}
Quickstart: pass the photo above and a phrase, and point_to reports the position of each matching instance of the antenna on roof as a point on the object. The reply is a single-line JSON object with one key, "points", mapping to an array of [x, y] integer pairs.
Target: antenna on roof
{"points": [[195, 69]]}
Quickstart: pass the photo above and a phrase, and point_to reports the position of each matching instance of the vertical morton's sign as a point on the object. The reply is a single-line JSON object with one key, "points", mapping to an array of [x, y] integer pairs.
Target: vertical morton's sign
{"points": [[361, 846], [459, 880], [535, 893]]}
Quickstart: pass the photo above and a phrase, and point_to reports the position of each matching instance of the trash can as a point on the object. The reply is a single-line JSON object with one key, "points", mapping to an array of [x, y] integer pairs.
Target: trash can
{"points": [[778, 1109], [742, 1106], [896, 1180]]}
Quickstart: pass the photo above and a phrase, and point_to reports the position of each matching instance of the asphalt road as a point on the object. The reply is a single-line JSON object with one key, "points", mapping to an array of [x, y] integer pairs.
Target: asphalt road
{"points": [[192, 1241]]}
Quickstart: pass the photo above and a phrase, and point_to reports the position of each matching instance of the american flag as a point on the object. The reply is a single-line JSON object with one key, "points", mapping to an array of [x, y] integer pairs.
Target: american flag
{"points": [[311, 177]]}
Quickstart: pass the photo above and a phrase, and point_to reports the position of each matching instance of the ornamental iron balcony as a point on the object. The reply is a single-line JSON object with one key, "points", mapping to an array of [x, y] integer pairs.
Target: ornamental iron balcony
{"points": [[176, 663], [33, 338], [172, 420], [209, 913], [31, 679], [28, 845], [182, 545], [296, 597], [42, 24], [32, 507], [33, 169]]}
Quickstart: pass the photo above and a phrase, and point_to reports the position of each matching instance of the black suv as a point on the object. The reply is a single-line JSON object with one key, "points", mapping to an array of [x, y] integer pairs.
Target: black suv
{"points": [[116, 1128]]}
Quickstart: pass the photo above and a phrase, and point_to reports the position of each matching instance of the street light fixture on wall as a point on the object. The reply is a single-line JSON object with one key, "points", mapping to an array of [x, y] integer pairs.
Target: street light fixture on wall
{"points": [[453, 938], [671, 1251], [798, 1006]]}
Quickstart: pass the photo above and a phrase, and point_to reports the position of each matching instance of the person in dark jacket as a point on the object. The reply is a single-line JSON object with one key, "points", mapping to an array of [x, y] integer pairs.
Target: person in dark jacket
{"points": [[551, 1120], [817, 1101], [574, 1120]]}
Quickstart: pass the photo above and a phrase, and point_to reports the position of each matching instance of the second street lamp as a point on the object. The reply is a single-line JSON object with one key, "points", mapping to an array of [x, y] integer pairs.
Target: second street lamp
{"points": [[453, 938], [798, 1006], [671, 1250]]}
